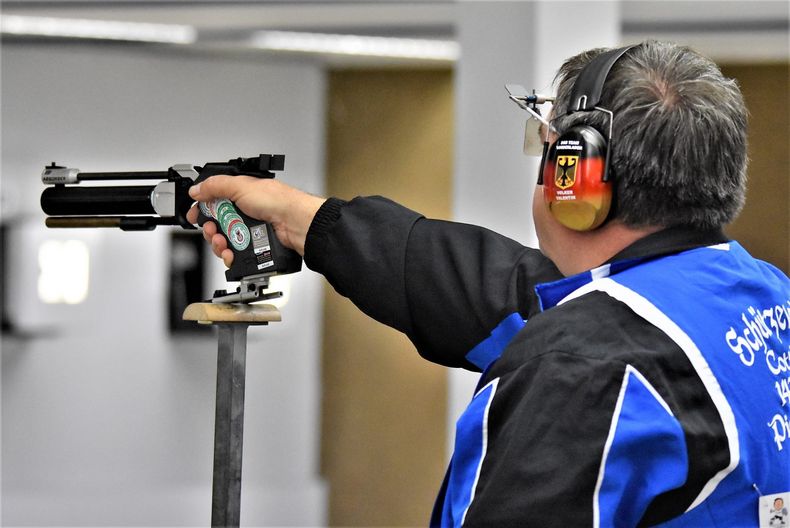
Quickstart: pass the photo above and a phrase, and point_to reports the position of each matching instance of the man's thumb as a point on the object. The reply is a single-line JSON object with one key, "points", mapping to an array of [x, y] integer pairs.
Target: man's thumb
{"points": [[213, 187]]}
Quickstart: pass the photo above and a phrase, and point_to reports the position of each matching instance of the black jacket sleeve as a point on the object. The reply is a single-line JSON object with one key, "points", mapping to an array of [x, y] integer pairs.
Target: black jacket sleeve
{"points": [[446, 285]]}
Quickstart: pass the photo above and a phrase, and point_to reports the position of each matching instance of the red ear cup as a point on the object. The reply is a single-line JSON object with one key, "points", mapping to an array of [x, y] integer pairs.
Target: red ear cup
{"points": [[575, 187]]}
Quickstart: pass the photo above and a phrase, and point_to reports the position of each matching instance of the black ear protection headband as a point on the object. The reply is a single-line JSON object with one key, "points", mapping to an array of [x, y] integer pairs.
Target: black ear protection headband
{"points": [[574, 171]]}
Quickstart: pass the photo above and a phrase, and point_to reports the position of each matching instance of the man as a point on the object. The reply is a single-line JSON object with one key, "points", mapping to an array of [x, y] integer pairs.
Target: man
{"points": [[777, 515], [633, 373]]}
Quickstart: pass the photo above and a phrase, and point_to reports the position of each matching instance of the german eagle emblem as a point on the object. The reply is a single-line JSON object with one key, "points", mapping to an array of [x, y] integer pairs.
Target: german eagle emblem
{"points": [[565, 175]]}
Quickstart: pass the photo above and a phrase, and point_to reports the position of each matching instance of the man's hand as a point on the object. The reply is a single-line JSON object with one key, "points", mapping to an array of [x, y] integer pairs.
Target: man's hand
{"points": [[289, 211]]}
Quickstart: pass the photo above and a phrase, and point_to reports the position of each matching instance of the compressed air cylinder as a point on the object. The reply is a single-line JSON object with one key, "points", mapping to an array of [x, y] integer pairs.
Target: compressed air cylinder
{"points": [[75, 200]]}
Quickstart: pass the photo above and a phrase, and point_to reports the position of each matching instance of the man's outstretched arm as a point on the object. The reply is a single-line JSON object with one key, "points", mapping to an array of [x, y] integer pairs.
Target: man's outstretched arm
{"points": [[445, 285]]}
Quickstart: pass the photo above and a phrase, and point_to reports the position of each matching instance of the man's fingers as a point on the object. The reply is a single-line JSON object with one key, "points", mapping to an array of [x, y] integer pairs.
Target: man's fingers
{"points": [[209, 230], [227, 257], [192, 214], [218, 244], [214, 187]]}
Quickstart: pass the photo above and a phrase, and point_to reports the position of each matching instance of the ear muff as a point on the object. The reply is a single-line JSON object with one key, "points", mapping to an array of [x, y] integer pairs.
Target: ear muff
{"points": [[576, 186], [574, 171]]}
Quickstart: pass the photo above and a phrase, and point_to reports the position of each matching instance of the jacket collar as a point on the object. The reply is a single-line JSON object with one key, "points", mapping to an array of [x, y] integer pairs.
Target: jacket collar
{"points": [[665, 242]]}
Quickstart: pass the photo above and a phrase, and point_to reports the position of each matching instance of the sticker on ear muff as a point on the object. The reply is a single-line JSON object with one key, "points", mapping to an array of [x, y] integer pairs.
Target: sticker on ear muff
{"points": [[575, 187]]}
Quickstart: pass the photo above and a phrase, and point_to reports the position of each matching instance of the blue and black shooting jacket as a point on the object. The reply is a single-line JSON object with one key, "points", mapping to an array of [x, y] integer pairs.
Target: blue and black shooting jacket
{"points": [[653, 389]]}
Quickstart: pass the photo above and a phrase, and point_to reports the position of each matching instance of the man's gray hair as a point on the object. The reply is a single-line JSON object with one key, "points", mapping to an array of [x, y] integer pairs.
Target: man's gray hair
{"points": [[678, 151]]}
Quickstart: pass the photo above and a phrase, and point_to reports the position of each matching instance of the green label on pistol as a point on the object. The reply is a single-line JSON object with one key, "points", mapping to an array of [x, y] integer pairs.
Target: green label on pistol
{"points": [[231, 223]]}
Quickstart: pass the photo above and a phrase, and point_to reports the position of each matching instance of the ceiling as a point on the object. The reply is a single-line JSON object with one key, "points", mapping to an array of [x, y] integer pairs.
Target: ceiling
{"points": [[725, 30]]}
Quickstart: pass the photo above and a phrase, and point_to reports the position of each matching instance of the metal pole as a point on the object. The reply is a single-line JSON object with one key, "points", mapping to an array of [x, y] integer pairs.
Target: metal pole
{"points": [[229, 424], [232, 321]]}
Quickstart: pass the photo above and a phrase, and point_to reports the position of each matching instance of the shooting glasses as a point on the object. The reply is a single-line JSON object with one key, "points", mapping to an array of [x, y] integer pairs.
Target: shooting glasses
{"points": [[533, 141]]}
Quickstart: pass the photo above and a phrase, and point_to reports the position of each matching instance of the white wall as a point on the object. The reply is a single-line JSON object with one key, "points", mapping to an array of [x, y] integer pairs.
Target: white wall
{"points": [[508, 42], [106, 418]]}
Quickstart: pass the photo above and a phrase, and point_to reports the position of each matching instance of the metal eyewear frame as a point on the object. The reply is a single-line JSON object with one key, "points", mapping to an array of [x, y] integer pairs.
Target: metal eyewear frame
{"points": [[529, 102]]}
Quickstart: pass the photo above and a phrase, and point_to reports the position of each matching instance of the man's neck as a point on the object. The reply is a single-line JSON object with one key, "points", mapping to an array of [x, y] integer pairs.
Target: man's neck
{"points": [[587, 250]]}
